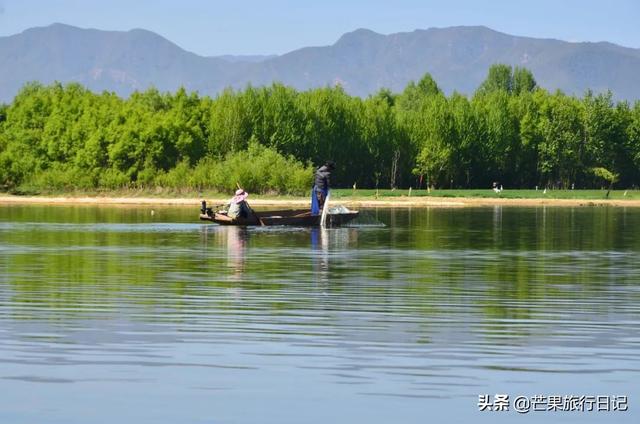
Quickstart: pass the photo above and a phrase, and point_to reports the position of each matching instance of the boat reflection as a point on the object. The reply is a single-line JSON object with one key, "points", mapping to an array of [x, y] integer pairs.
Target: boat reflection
{"points": [[232, 248]]}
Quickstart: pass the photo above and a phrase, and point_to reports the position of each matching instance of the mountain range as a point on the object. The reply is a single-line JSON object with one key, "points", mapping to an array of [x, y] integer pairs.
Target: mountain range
{"points": [[361, 61]]}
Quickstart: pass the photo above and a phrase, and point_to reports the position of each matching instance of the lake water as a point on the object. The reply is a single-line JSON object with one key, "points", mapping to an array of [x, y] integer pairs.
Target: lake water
{"points": [[115, 315]]}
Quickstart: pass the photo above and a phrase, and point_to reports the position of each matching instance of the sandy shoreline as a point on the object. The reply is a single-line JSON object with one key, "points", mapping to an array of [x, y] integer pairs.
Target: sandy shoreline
{"points": [[388, 202]]}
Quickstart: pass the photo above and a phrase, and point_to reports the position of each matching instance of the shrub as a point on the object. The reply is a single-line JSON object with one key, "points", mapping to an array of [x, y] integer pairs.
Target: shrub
{"points": [[58, 179], [177, 177], [113, 179], [258, 169]]}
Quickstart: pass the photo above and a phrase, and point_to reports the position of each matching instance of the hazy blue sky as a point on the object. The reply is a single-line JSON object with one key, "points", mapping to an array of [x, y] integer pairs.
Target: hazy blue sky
{"points": [[261, 26]]}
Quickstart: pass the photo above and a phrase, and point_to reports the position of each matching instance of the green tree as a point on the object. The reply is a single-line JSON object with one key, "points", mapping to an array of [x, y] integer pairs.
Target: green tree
{"points": [[606, 175], [499, 78], [523, 81], [561, 144], [415, 94]]}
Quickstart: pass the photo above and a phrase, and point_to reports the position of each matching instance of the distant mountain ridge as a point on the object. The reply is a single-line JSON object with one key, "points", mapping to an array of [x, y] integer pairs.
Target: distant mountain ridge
{"points": [[362, 61], [246, 58]]}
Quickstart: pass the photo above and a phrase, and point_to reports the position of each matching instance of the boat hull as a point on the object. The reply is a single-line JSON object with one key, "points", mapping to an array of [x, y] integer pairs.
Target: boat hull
{"points": [[298, 218]]}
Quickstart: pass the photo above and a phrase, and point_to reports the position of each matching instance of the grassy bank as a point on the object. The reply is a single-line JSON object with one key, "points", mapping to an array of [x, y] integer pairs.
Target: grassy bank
{"points": [[489, 194]]}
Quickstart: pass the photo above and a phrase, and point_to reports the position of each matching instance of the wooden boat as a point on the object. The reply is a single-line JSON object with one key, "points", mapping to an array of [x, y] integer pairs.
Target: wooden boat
{"points": [[293, 217]]}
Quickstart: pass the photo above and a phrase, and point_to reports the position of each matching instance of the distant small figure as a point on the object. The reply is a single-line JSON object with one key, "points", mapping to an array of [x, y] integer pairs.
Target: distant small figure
{"points": [[497, 187], [573, 185], [545, 191], [354, 185], [153, 212], [625, 193], [536, 188]]}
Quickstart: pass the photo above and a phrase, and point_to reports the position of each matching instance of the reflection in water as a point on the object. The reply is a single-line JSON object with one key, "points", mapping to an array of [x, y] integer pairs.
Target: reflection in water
{"points": [[236, 244], [497, 223], [175, 321], [324, 239], [320, 245]]}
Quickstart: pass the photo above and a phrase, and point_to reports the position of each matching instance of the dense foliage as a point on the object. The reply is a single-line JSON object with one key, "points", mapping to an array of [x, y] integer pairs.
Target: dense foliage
{"points": [[267, 139]]}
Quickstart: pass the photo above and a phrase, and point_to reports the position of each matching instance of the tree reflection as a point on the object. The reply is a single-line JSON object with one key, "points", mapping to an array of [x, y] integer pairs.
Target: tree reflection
{"points": [[496, 265]]}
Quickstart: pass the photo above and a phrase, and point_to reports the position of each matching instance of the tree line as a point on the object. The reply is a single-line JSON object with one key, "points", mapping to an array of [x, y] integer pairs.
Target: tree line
{"points": [[269, 139]]}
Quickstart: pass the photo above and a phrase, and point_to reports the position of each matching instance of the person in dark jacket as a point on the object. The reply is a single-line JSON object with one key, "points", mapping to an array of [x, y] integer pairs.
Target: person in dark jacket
{"points": [[321, 185]]}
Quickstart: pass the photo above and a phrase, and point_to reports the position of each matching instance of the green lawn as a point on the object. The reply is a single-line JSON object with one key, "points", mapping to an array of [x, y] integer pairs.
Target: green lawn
{"points": [[488, 193]]}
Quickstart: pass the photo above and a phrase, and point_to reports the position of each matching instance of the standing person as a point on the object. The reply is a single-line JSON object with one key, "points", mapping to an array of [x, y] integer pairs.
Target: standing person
{"points": [[321, 186]]}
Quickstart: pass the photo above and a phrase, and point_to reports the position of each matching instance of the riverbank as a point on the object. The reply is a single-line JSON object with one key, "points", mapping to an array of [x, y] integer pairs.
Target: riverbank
{"points": [[347, 200]]}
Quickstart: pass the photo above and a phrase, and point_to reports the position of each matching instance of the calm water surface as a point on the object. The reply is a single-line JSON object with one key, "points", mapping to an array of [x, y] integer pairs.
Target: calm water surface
{"points": [[115, 315]]}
